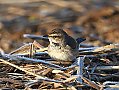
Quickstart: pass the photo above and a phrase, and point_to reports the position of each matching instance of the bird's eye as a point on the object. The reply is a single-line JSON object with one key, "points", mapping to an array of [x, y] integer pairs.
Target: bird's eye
{"points": [[55, 36]]}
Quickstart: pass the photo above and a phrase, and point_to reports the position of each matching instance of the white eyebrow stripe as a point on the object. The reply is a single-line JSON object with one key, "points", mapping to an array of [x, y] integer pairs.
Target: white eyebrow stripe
{"points": [[54, 35]]}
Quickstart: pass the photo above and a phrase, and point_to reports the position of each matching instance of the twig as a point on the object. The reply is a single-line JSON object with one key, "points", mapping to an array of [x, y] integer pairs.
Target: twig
{"points": [[111, 75], [102, 50], [106, 68], [35, 37], [90, 83], [110, 84], [29, 48], [80, 62]]}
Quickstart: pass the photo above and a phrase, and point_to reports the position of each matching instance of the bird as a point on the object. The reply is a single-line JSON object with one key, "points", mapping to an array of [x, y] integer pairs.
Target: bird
{"points": [[62, 47]]}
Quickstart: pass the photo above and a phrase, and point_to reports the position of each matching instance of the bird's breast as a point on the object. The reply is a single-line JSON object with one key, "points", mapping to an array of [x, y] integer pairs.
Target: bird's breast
{"points": [[59, 53]]}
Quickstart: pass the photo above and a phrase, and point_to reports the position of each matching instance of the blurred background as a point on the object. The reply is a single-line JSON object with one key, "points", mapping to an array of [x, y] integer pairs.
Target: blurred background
{"points": [[95, 20]]}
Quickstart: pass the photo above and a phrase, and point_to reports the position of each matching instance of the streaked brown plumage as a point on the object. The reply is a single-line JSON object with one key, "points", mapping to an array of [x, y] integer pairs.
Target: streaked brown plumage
{"points": [[62, 46]]}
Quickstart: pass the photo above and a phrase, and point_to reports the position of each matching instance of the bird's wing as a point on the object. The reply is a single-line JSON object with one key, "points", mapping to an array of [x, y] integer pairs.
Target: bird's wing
{"points": [[71, 42]]}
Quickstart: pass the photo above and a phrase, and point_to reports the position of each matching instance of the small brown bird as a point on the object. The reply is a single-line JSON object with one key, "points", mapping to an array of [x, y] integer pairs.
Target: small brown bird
{"points": [[62, 46]]}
